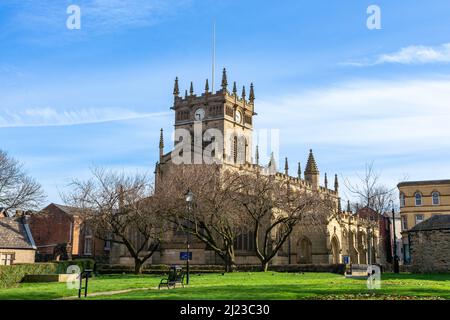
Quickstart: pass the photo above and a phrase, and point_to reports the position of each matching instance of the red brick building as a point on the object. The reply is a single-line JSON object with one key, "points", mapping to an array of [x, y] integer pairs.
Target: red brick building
{"points": [[59, 229], [384, 222]]}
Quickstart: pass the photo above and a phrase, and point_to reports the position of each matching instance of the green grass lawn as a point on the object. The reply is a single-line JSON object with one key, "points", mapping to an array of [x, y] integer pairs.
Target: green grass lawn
{"points": [[45, 291], [245, 285]]}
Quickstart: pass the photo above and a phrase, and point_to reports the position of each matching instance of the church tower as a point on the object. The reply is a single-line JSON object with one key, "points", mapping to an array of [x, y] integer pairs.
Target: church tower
{"points": [[224, 111]]}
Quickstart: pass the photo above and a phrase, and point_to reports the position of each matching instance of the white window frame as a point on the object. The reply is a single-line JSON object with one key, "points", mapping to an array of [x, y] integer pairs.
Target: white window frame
{"points": [[402, 200], [438, 198], [7, 258], [419, 215], [415, 199]]}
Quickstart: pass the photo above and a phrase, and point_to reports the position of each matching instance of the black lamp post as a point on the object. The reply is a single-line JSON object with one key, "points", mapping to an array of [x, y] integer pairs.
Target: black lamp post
{"points": [[394, 237], [189, 199], [369, 245]]}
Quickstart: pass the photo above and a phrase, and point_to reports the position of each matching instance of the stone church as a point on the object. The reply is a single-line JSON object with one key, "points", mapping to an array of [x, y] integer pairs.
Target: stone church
{"points": [[345, 238]]}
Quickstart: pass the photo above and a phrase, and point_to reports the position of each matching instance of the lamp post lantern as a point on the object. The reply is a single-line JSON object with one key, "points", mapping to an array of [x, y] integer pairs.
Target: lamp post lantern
{"points": [[189, 200], [394, 237]]}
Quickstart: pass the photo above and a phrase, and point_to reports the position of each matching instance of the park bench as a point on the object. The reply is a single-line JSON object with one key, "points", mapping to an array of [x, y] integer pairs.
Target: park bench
{"points": [[357, 271], [176, 275]]}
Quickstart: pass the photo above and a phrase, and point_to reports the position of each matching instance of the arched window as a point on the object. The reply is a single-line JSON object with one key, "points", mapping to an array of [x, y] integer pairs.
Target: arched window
{"points": [[402, 200], [245, 241], [435, 196], [418, 198], [305, 249], [245, 151], [235, 149]]}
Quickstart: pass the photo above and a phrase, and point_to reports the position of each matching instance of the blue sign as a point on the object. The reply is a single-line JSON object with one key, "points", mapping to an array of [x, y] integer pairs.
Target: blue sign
{"points": [[184, 255], [346, 259]]}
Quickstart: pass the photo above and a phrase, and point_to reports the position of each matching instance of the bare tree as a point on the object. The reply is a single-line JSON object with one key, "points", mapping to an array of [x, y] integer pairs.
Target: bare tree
{"points": [[121, 209], [17, 189], [370, 192], [214, 218], [275, 207]]}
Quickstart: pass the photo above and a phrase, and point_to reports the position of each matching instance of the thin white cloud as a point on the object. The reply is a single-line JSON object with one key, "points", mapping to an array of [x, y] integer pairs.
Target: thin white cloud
{"points": [[97, 16], [41, 117], [389, 116], [411, 55], [401, 125]]}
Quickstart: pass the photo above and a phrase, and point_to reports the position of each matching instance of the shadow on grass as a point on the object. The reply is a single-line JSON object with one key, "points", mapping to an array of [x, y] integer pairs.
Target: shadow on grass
{"points": [[417, 276], [248, 285], [52, 290], [278, 292]]}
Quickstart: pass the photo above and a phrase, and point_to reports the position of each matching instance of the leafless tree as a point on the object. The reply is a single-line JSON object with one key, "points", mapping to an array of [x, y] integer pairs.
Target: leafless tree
{"points": [[370, 192], [214, 218], [122, 209], [274, 208], [17, 189]]}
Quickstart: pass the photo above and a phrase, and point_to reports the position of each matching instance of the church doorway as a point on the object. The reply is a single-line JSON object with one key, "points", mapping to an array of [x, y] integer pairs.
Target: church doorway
{"points": [[362, 247], [304, 248], [335, 250], [353, 252]]}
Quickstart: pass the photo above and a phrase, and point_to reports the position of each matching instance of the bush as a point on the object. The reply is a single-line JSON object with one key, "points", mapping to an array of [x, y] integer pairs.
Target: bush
{"points": [[12, 275], [83, 264]]}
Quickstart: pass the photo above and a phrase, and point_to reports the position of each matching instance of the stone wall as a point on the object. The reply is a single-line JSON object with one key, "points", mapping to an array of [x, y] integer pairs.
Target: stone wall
{"points": [[20, 255], [430, 251]]}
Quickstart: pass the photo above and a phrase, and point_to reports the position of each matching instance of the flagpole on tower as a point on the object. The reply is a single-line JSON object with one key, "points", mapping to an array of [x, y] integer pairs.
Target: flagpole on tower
{"points": [[213, 55]]}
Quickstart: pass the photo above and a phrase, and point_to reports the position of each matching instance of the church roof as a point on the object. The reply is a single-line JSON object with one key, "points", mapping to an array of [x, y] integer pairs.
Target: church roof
{"points": [[311, 165]]}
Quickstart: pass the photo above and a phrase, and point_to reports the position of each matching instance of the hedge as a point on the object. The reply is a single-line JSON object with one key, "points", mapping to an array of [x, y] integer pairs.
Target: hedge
{"points": [[82, 263], [160, 268], [12, 275]]}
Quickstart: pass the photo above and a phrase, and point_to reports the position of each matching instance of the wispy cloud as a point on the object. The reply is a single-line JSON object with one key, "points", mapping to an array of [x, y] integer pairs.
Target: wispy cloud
{"points": [[40, 117], [411, 55], [401, 125], [389, 116], [97, 16], [113, 14]]}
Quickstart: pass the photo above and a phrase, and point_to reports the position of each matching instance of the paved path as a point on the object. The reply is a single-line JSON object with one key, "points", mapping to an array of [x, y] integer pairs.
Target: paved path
{"points": [[106, 293]]}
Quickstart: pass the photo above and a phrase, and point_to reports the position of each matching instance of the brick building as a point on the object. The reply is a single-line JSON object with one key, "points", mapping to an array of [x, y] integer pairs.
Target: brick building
{"points": [[59, 230], [385, 225]]}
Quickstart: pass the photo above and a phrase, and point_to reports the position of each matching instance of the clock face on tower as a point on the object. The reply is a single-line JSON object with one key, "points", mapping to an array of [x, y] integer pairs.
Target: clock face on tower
{"points": [[238, 117], [199, 114]]}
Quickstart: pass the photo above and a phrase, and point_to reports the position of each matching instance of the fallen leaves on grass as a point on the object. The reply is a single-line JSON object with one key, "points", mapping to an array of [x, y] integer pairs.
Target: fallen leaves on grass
{"points": [[372, 296]]}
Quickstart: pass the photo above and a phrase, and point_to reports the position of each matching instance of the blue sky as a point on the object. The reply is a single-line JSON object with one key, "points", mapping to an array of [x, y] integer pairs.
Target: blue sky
{"points": [[73, 99]]}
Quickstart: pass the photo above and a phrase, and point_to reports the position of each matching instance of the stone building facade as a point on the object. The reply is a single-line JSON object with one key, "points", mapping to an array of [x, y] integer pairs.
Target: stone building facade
{"points": [[199, 120], [419, 201], [430, 245]]}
